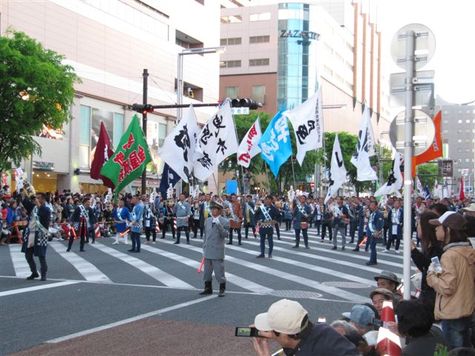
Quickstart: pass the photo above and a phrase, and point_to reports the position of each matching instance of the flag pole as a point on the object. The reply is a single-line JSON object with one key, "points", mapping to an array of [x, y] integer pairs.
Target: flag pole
{"points": [[293, 170]]}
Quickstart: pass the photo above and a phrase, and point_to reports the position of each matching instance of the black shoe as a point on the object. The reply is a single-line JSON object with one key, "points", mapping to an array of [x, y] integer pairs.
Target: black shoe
{"points": [[43, 278], [352, 241], [343, 248], [308, 248], [334, 248], [208, 289], [356, 249], [82, 250], [239, 243], [187, 242], [229, 243], [261, 256], [131, 250], [33, 276], [68, 250], [222, 288], [371, 263], [295, 246], [176, 243]]}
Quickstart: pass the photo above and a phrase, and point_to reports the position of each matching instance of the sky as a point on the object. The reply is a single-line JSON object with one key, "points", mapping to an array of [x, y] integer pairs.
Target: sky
{"points": [[453, 24]]}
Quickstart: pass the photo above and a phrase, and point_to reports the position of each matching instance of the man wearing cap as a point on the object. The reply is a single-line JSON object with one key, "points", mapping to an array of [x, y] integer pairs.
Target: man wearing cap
{"points": [[454, 280], [287, 323], [216, 232], [387, 280], [362, 317]]}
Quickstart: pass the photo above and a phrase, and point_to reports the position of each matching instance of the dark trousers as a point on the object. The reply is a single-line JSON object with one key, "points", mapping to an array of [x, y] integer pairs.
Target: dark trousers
{"points": [[238, 231], [392, 238], [82, 241], [385, 233], [353, 226], [168, 223], [266, 233], [372, 247], [304, 234], [195, 226], [318, 225], [288, 225], [91, 235], [246, 230], [135, 237], [178, 234], [277, 230], [325, 227], [31, 262], [150, 231]]}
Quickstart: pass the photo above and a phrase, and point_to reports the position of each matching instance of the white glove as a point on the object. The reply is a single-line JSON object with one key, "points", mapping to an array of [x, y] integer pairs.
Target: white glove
{"points": [[216, 221]]}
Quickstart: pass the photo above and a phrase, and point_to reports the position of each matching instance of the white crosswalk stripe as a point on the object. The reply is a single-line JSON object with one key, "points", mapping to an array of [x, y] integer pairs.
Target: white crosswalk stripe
{"points": [[291, 277], [240, 282], [154, 272], [85, 268], [19, 263]]}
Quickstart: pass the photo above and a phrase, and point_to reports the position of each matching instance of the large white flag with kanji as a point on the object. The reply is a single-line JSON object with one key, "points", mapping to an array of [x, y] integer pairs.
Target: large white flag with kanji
{"points": [[307, 121], [394, 183], [216, 141], [337, 170], [180, 145], [364, 150], [249, 146]]}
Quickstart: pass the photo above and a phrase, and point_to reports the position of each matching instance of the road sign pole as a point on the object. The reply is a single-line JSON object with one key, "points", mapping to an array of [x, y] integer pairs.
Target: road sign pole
{"points": [[410, 38]]}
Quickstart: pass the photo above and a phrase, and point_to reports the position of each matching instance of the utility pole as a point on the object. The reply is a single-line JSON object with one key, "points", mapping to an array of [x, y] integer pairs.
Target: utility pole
{"points": [[144, 124]]}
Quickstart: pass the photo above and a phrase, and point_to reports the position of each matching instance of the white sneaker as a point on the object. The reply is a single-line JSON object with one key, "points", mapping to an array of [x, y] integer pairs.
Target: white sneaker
{"points": [[385, 251], [115, 243], [154, 242], [397, 252]]}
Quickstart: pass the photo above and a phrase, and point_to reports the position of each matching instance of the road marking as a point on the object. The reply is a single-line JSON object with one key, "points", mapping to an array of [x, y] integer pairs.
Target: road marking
{"points": [[36, 288], [154, 272], [129, 320], [356, 298], [19, 262], [240, 282], [84, 267]]}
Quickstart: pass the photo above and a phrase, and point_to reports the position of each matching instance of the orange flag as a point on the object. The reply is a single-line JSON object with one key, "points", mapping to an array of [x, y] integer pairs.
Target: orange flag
{"points": [[435, 150]]}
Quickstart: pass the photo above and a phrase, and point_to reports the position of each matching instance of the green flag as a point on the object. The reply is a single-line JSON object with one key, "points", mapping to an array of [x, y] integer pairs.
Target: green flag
{"points": [[130, 158]]}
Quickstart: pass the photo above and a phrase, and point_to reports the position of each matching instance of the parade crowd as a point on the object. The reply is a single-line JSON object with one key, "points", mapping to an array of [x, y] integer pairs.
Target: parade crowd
{"points": [[439, 315]]}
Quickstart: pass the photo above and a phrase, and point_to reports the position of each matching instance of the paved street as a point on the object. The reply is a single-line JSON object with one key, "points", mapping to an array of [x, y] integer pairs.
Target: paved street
{"points": [[109, 301]]}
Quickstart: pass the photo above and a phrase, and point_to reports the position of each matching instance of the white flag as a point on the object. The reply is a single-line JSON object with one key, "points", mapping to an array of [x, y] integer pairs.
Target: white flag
{"points": [[394, 182], [337, 170], [216, 141], [364, 150], [249, 146], [420, 189], [180, 145], [307, 121]]}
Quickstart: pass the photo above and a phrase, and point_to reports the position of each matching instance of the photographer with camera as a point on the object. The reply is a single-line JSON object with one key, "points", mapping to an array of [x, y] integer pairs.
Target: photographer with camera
{"points": [[287, 323]]}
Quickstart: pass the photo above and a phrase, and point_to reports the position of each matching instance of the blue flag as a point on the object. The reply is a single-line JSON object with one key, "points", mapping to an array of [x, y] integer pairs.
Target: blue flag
{"points": [[275, 143], [168, 177], [427, 194]]}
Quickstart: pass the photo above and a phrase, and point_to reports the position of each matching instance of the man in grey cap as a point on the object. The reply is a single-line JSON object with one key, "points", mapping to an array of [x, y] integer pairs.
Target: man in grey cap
{"points": [[387, 280], [216, 232]]}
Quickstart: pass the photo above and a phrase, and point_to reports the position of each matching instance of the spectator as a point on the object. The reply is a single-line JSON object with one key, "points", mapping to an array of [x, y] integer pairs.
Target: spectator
{"points": [[378, 296], [347, 330], [287, 322], [415, 324], [454, 283], [387, 280], [431, 247]]}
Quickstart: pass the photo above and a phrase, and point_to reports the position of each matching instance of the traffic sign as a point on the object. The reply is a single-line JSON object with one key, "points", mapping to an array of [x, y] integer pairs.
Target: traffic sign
{"points": [[424, 132], [424, 45], [423, 85]]}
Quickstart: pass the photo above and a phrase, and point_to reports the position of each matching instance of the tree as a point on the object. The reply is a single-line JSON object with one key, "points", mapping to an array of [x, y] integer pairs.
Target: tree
{"points": [[427, 174], [36, 89]]}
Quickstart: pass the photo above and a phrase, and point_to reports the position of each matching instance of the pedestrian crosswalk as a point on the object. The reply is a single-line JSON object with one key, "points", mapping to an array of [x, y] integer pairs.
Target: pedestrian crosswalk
{"points": [[332, 274]]}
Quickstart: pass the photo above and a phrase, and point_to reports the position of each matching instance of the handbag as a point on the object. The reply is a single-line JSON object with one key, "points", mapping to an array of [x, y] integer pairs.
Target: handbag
{"points": [[303, 225]]}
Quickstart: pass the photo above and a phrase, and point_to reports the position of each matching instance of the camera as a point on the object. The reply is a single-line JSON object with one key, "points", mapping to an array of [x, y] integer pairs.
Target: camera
{"points": [[244, 331]]}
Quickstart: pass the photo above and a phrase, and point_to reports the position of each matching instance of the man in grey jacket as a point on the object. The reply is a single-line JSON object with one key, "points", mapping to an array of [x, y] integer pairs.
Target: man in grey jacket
{"points": [[216, 233]]}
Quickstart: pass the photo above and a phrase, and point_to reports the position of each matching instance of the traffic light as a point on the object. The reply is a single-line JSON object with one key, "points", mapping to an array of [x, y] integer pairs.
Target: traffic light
{"points": [[245, 103], [143, 109]]}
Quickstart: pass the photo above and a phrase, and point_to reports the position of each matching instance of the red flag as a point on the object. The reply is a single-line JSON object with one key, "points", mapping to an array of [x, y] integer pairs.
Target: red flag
{"points": [[103, 152], [435, 150], [462, 190]]}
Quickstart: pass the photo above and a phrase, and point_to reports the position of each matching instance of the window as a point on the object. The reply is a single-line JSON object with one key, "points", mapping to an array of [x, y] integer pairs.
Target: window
{"points": [[186, 41], [232, 92], [259, 39], [89, 127], [459, 121], [231, 19], [231, 64], [230, 41], [258, 93], [259, 62], [162, 133], [260, 17]]}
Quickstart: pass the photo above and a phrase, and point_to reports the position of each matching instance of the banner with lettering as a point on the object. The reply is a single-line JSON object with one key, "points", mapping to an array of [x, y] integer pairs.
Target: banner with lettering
{"points": [[249, 146], [275, 143], [337, 170], [130, 158]]}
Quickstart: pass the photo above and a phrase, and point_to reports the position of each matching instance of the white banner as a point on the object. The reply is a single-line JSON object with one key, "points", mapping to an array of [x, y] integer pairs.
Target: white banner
{"points": [[394, 182], [249, 146], [216, 141], [307, 121], [337, 170], [180, 145], [364, 150]]}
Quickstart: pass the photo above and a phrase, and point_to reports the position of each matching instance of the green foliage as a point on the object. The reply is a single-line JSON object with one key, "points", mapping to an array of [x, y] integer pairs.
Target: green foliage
{"points": [[427, 174], [36, 89]]}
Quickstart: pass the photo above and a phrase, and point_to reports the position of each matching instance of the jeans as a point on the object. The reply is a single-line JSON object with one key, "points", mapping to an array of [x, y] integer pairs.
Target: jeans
{"points": [[266, 233], [135, 237], [372, 247], [340, 229], [457, 332]]}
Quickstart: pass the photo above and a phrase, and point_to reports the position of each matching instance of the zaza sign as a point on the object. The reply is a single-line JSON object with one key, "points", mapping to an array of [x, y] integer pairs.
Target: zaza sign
{"points": [[308, 35]]}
